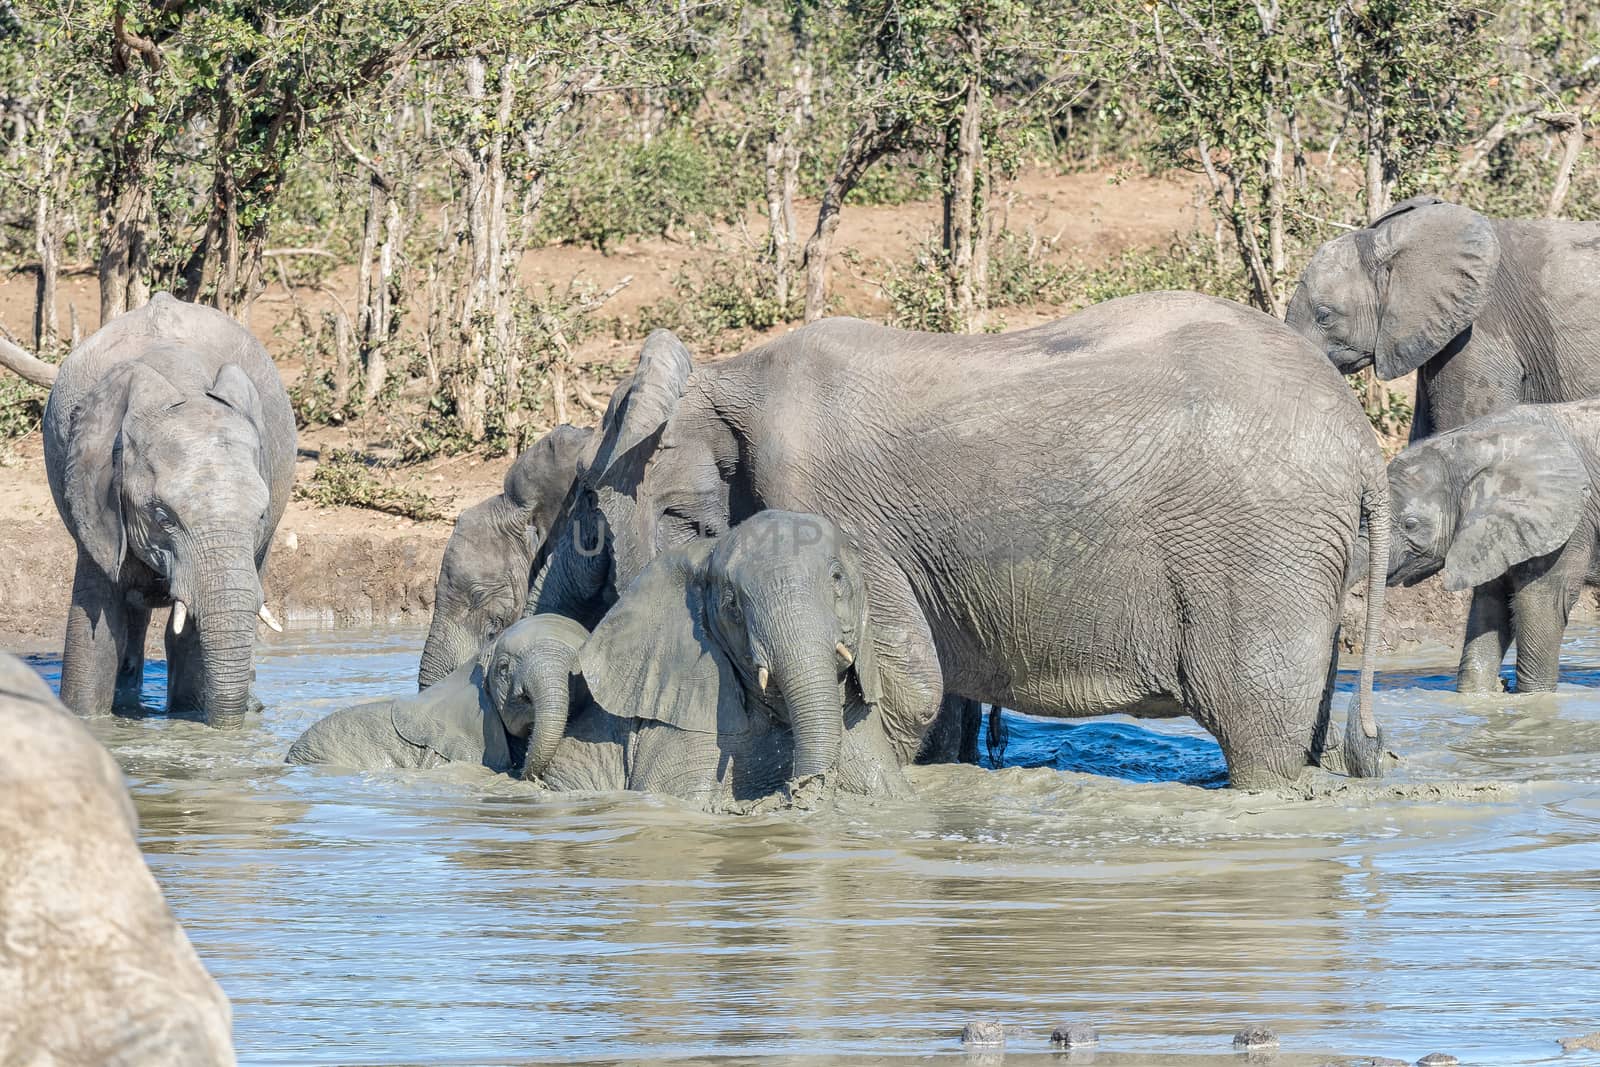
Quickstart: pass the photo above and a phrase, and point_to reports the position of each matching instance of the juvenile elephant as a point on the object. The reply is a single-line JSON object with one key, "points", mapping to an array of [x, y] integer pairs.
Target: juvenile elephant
{"points": [[1149, 507], [482, 712], [1490, 313], [169, 445], [94, 970], [1505, 504], [730, 670], [483, 578]]}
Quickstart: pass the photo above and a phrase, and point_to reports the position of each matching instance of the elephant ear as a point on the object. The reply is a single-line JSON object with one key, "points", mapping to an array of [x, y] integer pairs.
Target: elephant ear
{"points": [[1434, 264], [653, 655], [456, 719], [642, 406], [97, 437], [1524, 499]]}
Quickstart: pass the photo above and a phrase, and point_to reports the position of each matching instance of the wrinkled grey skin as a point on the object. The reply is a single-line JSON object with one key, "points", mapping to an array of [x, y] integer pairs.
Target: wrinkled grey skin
{"points": [[1490, 313], [1508, 505], [482, 712], [675, 672], [169, 446], [1149, 507], [483, 578], [94, 970]]}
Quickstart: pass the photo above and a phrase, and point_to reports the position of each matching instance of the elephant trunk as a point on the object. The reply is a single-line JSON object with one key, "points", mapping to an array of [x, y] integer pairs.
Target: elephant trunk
{"points": [[550, 700], [225, 610], [449, 645], [807, 676]]}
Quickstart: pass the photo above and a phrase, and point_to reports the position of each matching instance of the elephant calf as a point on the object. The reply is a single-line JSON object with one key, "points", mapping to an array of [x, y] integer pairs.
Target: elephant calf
{"points": [[1505, 505], [93, 968], [483, 577]]}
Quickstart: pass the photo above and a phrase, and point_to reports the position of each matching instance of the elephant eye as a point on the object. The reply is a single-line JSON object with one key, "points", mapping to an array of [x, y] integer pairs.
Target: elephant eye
{"points": [[1410, 522], [730, 606], [165, 520], [1324, 315]]}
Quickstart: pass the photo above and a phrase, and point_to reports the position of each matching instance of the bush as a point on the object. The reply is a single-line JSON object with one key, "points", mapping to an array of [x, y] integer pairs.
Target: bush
{"points": [[343, 479], [730, 292], [21, 411]]}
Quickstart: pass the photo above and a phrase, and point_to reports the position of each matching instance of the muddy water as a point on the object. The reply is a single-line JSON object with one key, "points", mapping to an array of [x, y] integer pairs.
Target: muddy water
{"points": [[454, 917]]}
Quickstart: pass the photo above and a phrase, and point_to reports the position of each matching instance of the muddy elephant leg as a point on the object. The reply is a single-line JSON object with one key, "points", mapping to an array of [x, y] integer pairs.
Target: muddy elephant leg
{"points": [[1488, 637], [1541, 602], [97, 620], [130, 666], [953, 737], [908, 662], [186, 676]]}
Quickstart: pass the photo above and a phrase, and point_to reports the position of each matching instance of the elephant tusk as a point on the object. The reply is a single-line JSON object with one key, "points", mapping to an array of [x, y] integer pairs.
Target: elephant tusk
{"points": [[267, 617], [849, 659], [761, 678], [180, 615]]}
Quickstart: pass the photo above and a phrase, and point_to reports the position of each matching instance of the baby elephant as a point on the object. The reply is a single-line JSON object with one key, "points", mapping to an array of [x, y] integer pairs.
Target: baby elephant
{"points": [[1505, 506], [479, 713]]}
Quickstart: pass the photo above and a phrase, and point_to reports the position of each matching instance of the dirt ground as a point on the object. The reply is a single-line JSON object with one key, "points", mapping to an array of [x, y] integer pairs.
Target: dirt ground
{"points": [[352, 567]]}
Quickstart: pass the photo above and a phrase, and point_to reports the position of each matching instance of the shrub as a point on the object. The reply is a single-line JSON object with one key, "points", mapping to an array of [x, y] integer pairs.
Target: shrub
{"points": [[343, 478]]}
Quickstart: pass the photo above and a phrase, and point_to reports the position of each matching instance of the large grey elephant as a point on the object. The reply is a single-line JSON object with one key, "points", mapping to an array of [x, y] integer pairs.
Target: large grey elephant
{"points": [[169, 445], [483, 578], [1490, 313], [1151, 506], [1507, 504], [94, 970]]}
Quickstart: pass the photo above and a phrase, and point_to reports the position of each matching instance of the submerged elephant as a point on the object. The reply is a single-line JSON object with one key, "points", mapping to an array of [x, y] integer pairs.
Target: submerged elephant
{"points": [[1490, 313], [1151, 506], [169, 446], [482, 712], [731, 669], [1506, 504], [483, 578], [94, 970]]}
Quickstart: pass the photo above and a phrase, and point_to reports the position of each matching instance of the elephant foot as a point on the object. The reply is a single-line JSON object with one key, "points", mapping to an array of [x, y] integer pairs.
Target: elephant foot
{"points": [[810, 792]]}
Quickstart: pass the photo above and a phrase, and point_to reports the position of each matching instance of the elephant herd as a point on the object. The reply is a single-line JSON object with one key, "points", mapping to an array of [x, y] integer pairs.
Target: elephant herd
{"points": [[766, 579]]}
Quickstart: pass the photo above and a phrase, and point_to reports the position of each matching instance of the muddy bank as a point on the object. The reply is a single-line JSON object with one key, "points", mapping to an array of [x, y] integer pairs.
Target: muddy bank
{"points": [[367, 569]]}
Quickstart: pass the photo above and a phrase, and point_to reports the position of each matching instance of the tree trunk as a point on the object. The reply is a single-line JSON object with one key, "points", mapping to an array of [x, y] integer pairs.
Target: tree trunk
{"points": [[47, 242], [962, 194], [867, 145], [1570, 125]]}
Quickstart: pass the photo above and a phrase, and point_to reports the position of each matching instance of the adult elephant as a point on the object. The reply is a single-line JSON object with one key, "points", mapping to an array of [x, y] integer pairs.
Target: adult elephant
{"points": [[1148, 507], [93, 968], [169, 445], [1490, 313], [483, 577]]}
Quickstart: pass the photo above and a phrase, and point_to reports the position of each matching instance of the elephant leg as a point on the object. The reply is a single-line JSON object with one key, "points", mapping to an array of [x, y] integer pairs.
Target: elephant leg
{"points": [[186, 676], [908, 662], [130, 666], [953, 738], [97, 620], [1540, 606], [1488, 637]]}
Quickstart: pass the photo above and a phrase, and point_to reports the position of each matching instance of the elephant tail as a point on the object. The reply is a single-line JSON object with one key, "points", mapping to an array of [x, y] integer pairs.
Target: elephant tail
{"points": [[1363, 739]]}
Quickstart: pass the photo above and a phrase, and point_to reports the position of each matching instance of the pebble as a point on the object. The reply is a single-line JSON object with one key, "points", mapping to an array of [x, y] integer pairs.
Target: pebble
{"points": [[986, 1032], [1255, 1037], [1074, 1035], [1438, 1059]]}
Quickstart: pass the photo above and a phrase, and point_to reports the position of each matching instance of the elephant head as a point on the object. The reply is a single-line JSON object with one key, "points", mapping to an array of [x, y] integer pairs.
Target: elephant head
{"points": [[1395, 294], [173, 476], [1476, 501], [483, 578], [772, 613], [528, 675], [652, 485]]}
